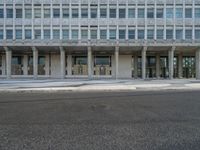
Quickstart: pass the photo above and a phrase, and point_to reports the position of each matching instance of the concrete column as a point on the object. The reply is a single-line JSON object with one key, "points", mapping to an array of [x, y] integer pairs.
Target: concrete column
{"points": [[197, 58], [171, 62], [180, 65], [35, 62], [8, 62], [62, 62], [69, 65], [144, 62], [47, 68], [116, 62], [25, 65], [157, 66], [135, 66], [89, 62]]}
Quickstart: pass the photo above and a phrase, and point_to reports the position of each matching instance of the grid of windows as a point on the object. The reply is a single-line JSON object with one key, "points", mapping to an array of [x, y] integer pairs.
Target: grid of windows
{"points": [[103, 34], [84, 34], [84, 13], [47, 13], [9, 13], [65, 13], [131, 13], [28, 34], [103, 13], [159, 13], [122, 12], [18, 34], [1, 13], [47, 34], [112, 13], [1, 34], [18, 13], [28, 13]]}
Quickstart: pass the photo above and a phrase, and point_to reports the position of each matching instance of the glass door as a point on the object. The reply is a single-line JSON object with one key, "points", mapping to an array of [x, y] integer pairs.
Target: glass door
{"points": [[102, 65], [17, 65], [189, 67], [79, 65]]}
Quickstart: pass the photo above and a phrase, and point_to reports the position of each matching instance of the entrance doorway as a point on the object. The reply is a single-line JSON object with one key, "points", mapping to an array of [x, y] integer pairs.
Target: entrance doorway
{"points": [[41, 65], [189, 67], [102, 65], [79, 65], [17, 65], [164, 73], [151, 67]]}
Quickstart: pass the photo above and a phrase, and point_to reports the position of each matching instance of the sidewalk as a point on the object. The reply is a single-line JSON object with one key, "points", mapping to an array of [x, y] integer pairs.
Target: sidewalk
{"points": [[54, 85]]}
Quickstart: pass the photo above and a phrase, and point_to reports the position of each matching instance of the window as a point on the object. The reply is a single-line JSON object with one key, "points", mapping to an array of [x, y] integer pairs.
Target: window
{"points": [[18, 34], [131, 34], [37, 13], [74, 34], [179, 13], [159, 13], [197, 12], [122, 13], [28, 34], [9, 34], [169, 13], [179, 34], [93, 34], [18, 13], [140, 12], [84, 13], [84, 34], [140, 34], [131, 13], [65, 13], [1, 13], [197, 34], [160, 34], [9, 13], [37, 34], [122, 34], [150, 13], [65, 34], [188, 13], [103, 34], [47, 13], [112, 34], [56, 13], [93, 13], [1, 34], [169, 34], [56, 34], [188, 34], [112, 13], [103, 13], [47, 34], [74, 13], [28, 13], [150, 34]]}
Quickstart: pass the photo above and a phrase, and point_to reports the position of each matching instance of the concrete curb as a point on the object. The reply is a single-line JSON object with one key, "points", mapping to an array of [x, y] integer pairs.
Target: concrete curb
{"points": [[103, 88]]}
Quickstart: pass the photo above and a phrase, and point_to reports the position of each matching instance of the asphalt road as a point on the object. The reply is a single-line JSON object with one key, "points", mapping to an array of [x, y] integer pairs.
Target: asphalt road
{"points": [[165, 120]]}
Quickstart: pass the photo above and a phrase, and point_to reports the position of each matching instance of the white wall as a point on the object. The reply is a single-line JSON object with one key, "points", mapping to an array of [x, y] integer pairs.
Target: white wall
{"points": [[125, 66]]}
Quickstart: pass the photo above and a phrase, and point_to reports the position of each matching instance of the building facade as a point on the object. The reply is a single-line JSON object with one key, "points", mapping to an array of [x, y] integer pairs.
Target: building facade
{"points": [[100, 39]]}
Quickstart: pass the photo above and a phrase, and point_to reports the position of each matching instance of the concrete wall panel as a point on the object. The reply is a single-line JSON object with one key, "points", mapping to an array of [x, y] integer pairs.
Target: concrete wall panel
{"points": [[125, 66], [55, 65]]}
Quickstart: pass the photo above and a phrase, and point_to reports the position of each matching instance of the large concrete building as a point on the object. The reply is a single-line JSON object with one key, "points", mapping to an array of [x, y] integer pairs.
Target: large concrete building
{"points": [[100, 38]]}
